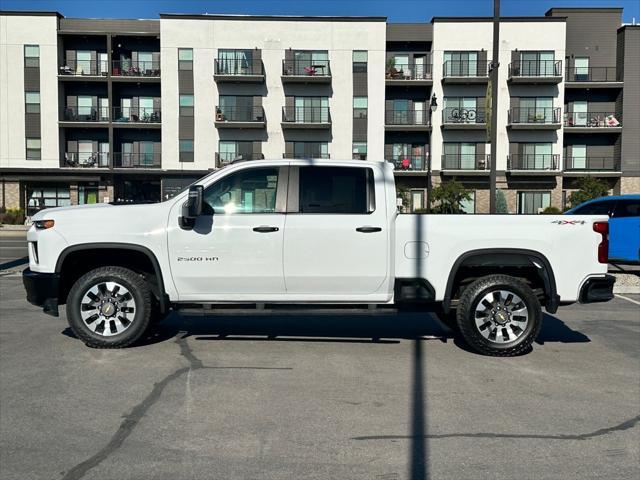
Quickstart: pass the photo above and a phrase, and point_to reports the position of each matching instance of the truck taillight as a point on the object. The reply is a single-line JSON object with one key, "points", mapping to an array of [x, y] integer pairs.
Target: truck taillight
{"points": [[603, 248]]}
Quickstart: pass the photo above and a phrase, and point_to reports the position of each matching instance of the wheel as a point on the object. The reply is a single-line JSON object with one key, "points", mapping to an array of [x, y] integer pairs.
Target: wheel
{"points": [[109, 307], [499, 315]]}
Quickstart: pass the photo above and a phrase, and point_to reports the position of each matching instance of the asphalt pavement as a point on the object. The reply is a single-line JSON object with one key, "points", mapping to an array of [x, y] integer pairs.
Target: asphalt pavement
{"points": [[13, 249], [319, 396]]}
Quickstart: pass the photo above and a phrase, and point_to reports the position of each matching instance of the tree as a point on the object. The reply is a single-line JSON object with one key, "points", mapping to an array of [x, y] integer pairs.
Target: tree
{"points": [[589, 188], [449, 197], [550, 210], [404, 194], [501, 202]]}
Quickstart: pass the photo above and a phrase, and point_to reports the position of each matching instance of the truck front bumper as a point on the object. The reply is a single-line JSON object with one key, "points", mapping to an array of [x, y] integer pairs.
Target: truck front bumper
{"points": [[597, 289], [42, 290]]}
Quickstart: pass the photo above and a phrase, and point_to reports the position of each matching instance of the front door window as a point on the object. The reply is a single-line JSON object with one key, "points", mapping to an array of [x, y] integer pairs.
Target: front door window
{"points": [[246, 191]]}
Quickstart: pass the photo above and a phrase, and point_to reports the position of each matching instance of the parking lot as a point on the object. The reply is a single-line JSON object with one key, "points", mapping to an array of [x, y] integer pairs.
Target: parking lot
{"points": [[318, 396]]}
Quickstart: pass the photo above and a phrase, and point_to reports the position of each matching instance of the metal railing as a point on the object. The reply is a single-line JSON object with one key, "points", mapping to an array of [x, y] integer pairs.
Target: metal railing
{"points": [[236, 66], [465, 68], [225, 158], [535, 115], [465, 161], [410, 71], [591, 163], [239, 114], [84, 114], [408, 163], [306, 115], [86, 159], [533, 161], [536, 68], [84, 68], [592, 119], [136, 160], [410, 116], [306, 68], [302, 156], [140, 68], [463, 115], [136, 115], [592, 74]]}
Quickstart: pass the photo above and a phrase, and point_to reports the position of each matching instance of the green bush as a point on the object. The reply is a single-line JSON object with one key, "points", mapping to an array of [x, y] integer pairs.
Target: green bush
{"points": [[551, 211], [11, 216]]}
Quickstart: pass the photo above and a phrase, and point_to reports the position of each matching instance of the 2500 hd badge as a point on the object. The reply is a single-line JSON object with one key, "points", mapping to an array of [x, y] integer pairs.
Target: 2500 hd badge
{"points": [[198, 259]]}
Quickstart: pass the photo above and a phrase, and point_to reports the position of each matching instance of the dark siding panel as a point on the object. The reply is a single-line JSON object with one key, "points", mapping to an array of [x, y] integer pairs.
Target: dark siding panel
{"points": [[359, 129], [631, 106], [360, 84], [185, 81], [32, 125], [185, 128], [109, 26], [409, 32], [31, 79], [288, 149]]}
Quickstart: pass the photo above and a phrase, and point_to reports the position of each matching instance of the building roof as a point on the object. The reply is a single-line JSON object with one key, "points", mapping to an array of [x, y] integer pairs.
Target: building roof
{"points": [[30, 13], [502, 19], [293, 18]]}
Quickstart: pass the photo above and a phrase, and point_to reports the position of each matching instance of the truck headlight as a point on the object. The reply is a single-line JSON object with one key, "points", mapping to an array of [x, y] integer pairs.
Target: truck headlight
{"points": [[44, 224]]}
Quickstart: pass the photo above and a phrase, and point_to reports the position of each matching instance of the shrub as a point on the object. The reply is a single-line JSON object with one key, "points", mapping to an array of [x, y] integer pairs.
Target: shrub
{"points": [[551, 211], [11, 216]]}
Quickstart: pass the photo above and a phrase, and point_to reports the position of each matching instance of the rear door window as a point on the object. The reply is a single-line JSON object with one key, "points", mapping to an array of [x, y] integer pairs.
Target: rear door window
{"points": [[599, 208], [343, 190], [627, 208]]}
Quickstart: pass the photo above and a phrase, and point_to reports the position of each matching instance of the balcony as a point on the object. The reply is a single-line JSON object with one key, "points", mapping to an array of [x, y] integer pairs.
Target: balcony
{"points": [[84, 116], [297, 71], [226, 158], [418, 74], [534, 163], [240, 117], [534, 118], [465, 164], [535, 72], [84, 70], [408, 163], [396, 120], [588, 122], [138, 71], [86, 160], [300, 156], [465, 72], [591, 164], [136, 117], [238, 70], [592, 77], [460, 118], [306, 118], [136, 160]]}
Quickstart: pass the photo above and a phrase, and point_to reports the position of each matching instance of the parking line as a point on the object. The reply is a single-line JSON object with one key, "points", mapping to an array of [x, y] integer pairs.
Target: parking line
{"points": [[628, 299]]}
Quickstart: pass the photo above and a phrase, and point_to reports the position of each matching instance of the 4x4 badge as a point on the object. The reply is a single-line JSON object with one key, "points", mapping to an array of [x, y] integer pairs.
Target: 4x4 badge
{"points": [[569, 222]]}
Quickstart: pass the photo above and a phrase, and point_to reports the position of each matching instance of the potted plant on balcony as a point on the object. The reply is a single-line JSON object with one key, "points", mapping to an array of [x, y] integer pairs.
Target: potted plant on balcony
{"points": [[392, 72]]}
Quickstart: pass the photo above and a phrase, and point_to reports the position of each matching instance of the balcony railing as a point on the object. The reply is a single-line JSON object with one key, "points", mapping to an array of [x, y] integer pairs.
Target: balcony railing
{"points": [[84, 114], [534, 115], [238, 67], [86, 159], [239, 114], [318, 115], [411, 116], [536, 68], [408, 163], [136, 115], [302, 156], [410, 71], [225, 158], [84, 68], [465, 161], [464, 115], [592, 120], [592, 74], [141, 68], [136, 160], [533, 161], [465, 68], [589, 163], [300, 68]]}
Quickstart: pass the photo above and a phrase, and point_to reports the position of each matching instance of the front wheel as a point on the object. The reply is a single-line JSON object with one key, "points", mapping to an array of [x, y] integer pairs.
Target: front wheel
{"points": [[499, 315], [109, 307]]}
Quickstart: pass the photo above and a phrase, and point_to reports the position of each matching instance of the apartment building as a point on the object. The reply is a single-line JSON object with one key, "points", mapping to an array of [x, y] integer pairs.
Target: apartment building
{"points": [[134, 110]]}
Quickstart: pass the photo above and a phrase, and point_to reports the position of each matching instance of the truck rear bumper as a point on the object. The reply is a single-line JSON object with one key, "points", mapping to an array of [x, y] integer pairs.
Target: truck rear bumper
{"points": [[42, 290], [597, 289]]}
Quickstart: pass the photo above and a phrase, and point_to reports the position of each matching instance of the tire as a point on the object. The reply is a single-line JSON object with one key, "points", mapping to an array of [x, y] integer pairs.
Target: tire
{"points": [[109, 307], [499, 315]]}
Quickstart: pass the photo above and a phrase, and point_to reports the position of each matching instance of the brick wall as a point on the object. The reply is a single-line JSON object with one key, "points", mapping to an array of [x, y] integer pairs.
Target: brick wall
{"points": [[9, 194]]}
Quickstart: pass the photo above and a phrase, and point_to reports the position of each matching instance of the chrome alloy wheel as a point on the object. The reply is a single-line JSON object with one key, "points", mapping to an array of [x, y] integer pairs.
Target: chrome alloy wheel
{"points": [[501, 316], [107, 308]]}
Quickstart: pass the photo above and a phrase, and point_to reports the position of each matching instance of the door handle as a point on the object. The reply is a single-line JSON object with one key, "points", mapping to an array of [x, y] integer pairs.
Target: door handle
{"points": [[265, 229], [368, 229]]}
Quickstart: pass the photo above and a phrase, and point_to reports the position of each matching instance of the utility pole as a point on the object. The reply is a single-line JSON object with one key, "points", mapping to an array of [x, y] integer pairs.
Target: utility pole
{"points": [[494, 105]]}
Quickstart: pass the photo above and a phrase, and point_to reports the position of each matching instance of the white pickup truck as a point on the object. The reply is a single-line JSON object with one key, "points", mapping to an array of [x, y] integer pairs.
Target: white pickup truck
{"points": [[313, 233]]}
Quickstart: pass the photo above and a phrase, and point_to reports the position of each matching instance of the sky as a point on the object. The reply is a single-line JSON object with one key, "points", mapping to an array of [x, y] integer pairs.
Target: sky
{"points": [[394, 10]]}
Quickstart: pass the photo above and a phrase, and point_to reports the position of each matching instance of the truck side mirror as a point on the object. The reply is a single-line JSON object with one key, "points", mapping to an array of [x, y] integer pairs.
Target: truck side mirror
{"points": [[192, 208]]}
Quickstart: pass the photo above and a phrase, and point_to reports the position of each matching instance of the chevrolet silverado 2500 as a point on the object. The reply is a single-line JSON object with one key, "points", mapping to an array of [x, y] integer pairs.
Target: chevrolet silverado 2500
{"points": [[310, 232]]}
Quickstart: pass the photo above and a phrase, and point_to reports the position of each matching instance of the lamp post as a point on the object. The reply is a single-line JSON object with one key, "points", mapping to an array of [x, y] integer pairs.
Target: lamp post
{"points": [[433, 105], [494, 105]]}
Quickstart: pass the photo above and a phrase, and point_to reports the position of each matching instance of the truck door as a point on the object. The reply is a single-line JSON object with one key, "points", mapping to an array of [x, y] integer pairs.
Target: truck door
{"points": [[235, 247], [624, 231], [336, 232]]}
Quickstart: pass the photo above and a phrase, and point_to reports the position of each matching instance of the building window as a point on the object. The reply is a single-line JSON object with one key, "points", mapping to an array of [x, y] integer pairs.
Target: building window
{"points": [[469, 206], [533, 202], [32, 56], [47, 196], [186, 150], [32, 102], [310, 150], [360, 107], [230, 151], [186, 105], [34, 149], [462, 64], [237, 62], [537, 64], [417, 201], [88, 193], [359, 150], [581, 69], [360, 59], [185, 59]]}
